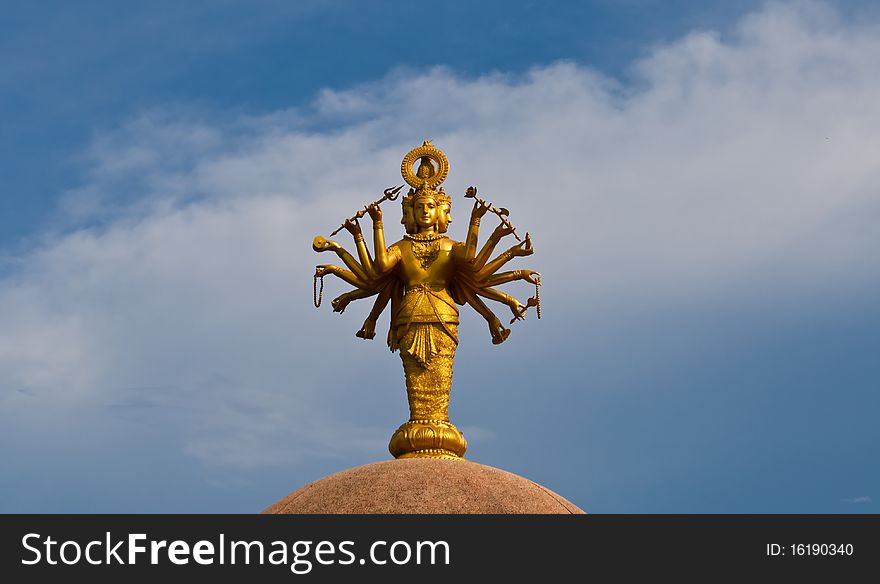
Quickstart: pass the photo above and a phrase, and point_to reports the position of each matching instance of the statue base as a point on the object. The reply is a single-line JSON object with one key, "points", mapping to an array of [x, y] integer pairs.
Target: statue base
{"points": [[427, 439]]}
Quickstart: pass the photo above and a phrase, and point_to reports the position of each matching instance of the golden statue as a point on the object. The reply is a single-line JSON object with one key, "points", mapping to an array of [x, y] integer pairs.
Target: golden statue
{"points": [[424, 276]]}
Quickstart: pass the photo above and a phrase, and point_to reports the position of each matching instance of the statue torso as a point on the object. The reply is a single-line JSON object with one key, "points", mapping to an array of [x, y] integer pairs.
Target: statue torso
{"points": [[426, 262]]}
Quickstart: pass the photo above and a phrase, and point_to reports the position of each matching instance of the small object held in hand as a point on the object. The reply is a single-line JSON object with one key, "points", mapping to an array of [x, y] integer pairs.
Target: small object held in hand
{"points": [[390, 194], [471, 193], [318, 296]]}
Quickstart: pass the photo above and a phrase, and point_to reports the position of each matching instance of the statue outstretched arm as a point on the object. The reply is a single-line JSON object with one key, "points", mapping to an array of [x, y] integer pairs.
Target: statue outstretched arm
{"points": [[480, 209], [341, 302], [521, 249], [497, 235], [368, 330], [505, 277], [320, 244], [350, 277], [516, 307], [385, 258], [354, 228], [496, 329]]}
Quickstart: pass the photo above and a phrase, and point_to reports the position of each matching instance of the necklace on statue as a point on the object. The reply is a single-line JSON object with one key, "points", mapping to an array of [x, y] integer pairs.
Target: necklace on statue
{"points": [[425, 247]]}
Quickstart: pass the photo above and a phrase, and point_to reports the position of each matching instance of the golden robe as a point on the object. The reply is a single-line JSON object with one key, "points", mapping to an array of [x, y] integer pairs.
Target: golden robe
{"points": [[426, 333]]}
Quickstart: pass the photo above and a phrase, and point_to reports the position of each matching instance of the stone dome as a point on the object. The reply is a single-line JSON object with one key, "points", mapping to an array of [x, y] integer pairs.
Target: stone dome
{"points": [[423, 486]]}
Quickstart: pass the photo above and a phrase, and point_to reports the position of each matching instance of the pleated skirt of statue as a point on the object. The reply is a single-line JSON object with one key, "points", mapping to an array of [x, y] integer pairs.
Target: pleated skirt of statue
{"points": [[427, 351]]}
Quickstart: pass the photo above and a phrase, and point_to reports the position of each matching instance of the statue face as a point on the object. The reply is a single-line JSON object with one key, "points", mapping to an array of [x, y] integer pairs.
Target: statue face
{"points": [[425, 212], [408, 222]]}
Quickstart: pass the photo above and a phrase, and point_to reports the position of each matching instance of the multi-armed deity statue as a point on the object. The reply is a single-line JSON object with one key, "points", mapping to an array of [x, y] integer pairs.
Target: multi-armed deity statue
{"points": [[424, 276]]}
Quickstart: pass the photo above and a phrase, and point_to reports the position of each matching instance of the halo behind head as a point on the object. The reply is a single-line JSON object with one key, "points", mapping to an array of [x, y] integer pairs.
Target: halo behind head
{"points": [[433, 164]]}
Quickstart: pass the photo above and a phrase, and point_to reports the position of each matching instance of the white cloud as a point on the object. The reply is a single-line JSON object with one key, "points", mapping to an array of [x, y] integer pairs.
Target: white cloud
{"points": [[190, 266]]}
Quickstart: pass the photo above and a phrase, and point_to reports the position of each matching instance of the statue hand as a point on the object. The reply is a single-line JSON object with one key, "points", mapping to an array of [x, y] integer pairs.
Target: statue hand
{"points": [[501, 231], [323, 270], [523, 249], [480, 209], [353, 227], [340, 303], [320, 244], [375, 212], [529, 276]]}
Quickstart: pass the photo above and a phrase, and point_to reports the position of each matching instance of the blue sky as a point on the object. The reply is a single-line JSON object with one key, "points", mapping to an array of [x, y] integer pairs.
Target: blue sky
{"points": [[71, 70], [700, 180]]}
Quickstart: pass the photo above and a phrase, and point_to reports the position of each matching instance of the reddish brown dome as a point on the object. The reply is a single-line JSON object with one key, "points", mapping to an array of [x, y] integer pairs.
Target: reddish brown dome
{"points": [[423, 485]]}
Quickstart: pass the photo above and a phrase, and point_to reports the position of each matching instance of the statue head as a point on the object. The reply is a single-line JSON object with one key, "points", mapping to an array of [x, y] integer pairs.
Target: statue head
{"points": [[425, 211], [431, 171], [426, 208], [444, 217], [408, 221]]}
